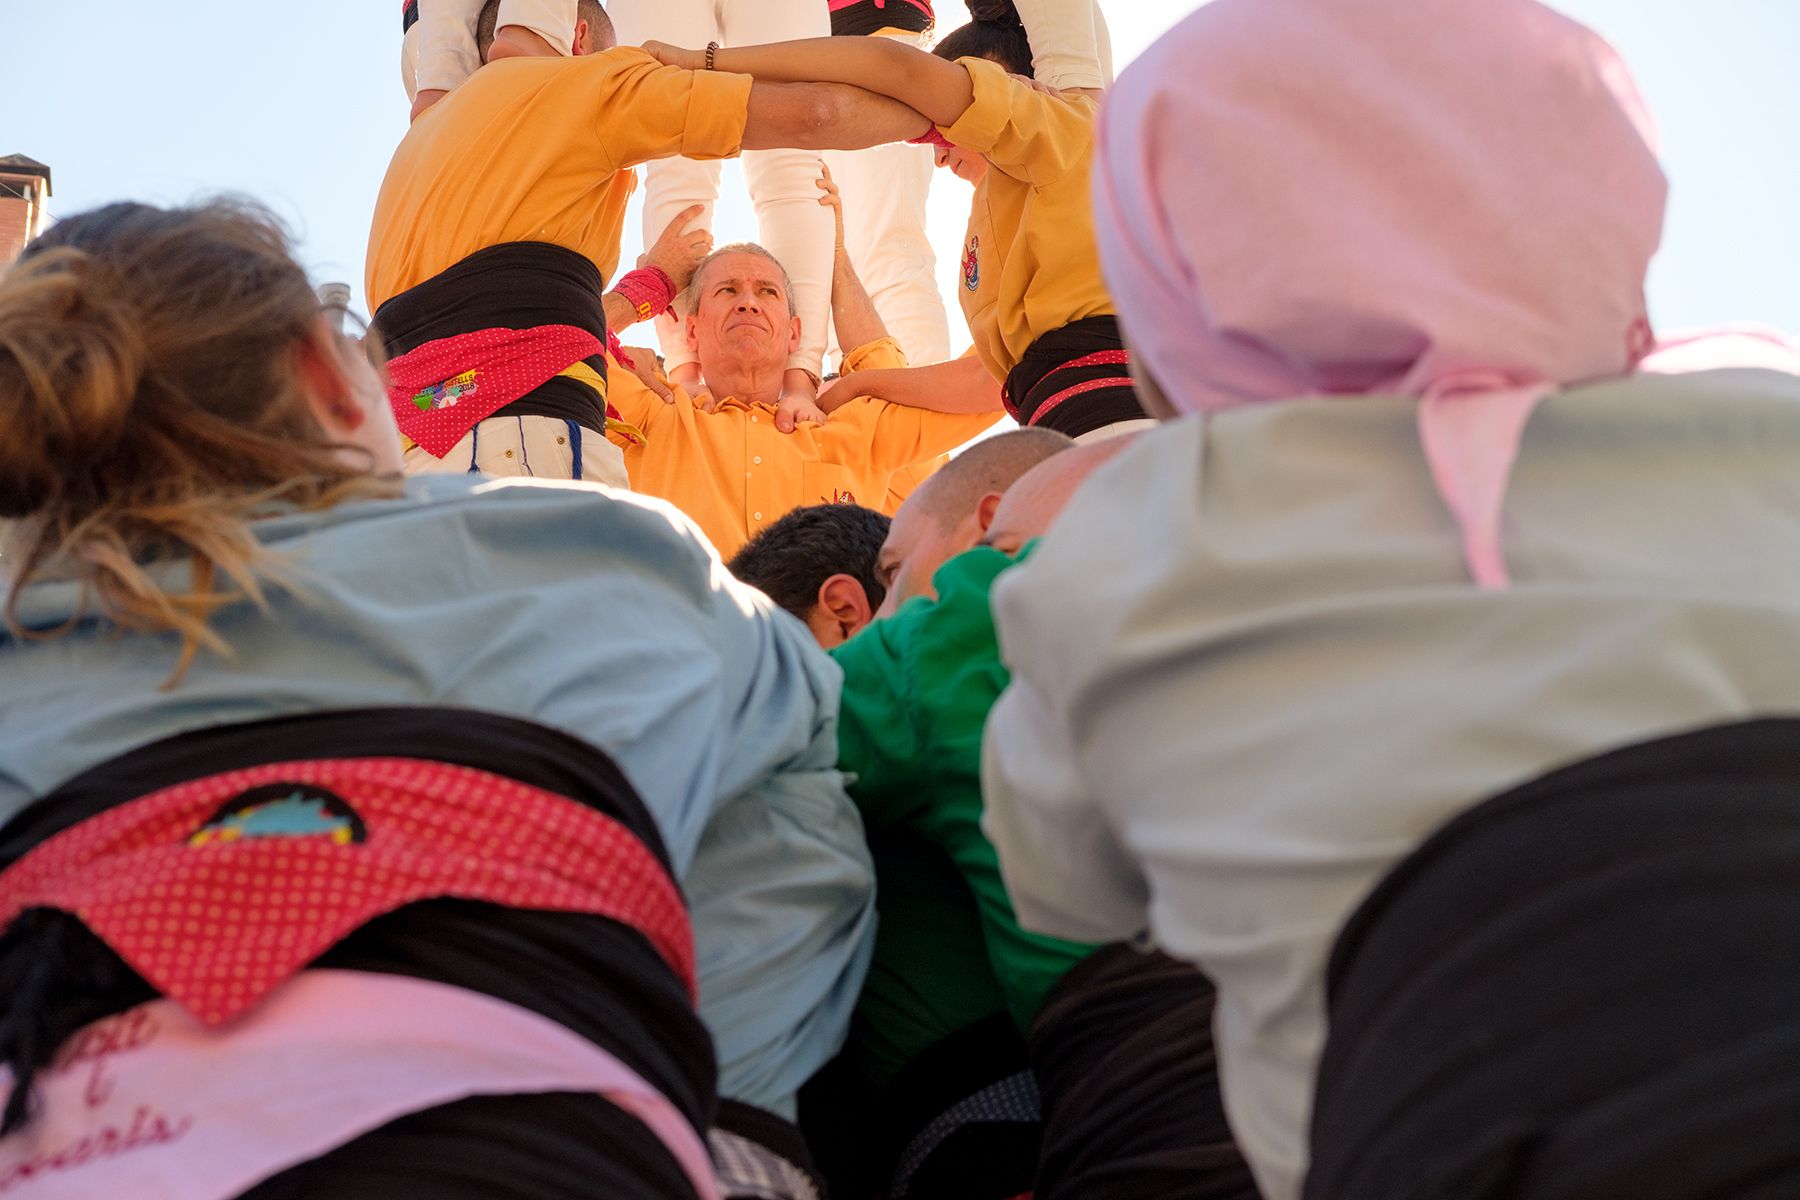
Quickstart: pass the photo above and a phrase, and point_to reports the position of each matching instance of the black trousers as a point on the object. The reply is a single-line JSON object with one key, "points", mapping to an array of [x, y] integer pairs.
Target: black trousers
{"points": [[1123, 1051], [1588, 987]]}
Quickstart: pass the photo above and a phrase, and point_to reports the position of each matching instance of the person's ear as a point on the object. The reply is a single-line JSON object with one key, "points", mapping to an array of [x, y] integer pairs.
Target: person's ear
{"points": [[845, 604], [984, 513], [578, 46], [691, 330], [324, 378], [793, 334]]}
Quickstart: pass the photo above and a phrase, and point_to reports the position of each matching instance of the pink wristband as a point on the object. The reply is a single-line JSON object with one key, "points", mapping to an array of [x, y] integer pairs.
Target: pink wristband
{"points": [[648, 290]]}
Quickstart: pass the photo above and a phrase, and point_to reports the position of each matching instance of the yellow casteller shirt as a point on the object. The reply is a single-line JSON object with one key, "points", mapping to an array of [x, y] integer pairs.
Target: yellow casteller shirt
{"points": [[733, 472], [1030, 264], [540, 150]]}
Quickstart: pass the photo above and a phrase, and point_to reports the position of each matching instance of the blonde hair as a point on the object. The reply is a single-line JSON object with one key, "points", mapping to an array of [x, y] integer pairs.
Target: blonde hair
{"points": [[148, 409]]}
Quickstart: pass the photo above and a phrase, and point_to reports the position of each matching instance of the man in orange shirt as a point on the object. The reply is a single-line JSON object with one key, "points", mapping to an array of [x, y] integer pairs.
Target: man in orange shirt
{"points": [[498, 225], [723, 458]]}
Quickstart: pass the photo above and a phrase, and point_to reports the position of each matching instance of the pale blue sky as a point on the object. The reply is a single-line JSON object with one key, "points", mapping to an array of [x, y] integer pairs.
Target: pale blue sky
{"points": [[300, 105]]}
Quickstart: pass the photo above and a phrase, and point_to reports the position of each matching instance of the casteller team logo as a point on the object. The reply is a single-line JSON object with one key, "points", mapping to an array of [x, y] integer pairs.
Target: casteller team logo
{"points": [[283, 810], [839, 496], [447, 393], [971, 264]]}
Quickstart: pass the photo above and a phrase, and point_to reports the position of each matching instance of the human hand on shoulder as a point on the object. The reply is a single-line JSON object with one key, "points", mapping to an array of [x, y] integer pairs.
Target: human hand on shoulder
{"points": [[798, 401], [793, 410], [645, 365], [675, 56]]}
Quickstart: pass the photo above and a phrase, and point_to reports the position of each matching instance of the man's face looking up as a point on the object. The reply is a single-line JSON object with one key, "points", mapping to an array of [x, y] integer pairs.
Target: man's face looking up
{"points": [[741, 316]]}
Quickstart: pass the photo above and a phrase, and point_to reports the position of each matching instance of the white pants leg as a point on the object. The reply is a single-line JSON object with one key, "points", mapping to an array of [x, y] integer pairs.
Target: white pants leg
{"points": [[537, 447], [885, 191], [671, 184], [439, 51], [793, 226], [1070, 44]]}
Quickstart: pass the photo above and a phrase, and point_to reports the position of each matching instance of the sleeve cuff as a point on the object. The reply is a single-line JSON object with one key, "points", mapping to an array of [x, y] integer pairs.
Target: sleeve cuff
{"points": [[718, 106], [982, 123], [880, 354]]}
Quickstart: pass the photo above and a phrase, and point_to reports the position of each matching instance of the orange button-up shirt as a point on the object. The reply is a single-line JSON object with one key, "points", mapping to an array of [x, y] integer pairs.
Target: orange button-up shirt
{"points": [[540, 150], [733, 472]]}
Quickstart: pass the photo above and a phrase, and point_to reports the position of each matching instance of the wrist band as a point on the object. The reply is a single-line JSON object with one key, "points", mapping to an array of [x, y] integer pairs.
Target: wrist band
{"points": [[712, 48], [931, 137], [648, 290]]}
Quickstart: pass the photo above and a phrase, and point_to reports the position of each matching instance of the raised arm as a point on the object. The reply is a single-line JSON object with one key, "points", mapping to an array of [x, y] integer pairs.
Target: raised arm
{"points": [[924, 82], [852, 311]]}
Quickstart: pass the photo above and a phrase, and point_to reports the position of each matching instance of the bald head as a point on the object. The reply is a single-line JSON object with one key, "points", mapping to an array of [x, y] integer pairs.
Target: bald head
{"points": [[950, 511], [1033, 503]]}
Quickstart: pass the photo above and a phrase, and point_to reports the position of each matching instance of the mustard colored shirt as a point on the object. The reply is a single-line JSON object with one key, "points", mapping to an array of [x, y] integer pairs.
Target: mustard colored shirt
{"points": [[539, 149], [1029, 262], [733, 472]]}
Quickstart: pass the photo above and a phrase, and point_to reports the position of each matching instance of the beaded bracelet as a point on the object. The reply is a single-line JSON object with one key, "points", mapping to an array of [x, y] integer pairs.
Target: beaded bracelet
{"points": [[712, 48]]}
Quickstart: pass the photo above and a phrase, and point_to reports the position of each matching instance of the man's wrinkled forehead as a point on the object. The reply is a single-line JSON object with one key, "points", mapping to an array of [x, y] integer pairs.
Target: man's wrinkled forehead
{"points": [[747, 271]]}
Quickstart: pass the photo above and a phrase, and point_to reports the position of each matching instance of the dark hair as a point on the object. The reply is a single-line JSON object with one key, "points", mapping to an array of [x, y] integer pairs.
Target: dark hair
{"points": [[996, 33], [791, 558], [489, 19]]}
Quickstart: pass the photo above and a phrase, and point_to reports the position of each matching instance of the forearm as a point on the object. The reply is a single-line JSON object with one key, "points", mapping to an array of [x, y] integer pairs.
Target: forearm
{"points": [[621, 314], [961, 385], [940, 90], [852, 311], [825, 116]]}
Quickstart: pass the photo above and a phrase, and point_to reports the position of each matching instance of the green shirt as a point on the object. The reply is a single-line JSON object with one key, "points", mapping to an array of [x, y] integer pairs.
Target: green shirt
{"points": [[917, 690]]}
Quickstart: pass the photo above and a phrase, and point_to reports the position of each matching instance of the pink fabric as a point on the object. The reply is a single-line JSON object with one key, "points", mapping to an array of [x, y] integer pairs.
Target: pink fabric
{"points": [[153, 1105], [1455, 200]]}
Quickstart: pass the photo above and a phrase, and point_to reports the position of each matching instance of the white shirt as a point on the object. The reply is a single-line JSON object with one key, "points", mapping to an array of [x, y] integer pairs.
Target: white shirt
{"points": [[1250, 672]]}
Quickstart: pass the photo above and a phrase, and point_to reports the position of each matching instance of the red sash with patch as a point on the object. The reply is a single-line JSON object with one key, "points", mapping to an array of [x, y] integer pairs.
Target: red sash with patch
{"points": [[218, 889], [444, 388]]}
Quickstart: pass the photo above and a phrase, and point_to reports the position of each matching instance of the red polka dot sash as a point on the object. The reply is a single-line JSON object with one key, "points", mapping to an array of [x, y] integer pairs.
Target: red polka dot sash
{"points": [[218, 889], [444, 388]]}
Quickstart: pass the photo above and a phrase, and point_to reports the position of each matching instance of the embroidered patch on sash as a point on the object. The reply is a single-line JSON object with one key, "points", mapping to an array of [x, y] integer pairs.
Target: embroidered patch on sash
{"points": [[283, 810], [971, 264], [447, 393]]}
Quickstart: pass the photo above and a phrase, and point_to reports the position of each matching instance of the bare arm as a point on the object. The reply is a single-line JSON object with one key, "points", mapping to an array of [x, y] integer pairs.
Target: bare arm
{"points": [[924, 82], [824, 116], [961, 385], [852, 311]]}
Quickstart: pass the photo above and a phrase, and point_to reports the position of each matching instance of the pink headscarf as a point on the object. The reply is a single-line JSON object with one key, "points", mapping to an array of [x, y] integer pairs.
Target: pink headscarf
{"points": [[1455, 200]]}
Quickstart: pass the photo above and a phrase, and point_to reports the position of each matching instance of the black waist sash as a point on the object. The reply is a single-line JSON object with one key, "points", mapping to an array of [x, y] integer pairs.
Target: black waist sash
{"points": [[1586, 987], [598, 977], [519, 285], [1052, 387], [858, 20]]}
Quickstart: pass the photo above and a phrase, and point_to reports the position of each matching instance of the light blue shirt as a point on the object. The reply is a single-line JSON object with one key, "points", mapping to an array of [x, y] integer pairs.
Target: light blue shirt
{"points": [[592, 611]]}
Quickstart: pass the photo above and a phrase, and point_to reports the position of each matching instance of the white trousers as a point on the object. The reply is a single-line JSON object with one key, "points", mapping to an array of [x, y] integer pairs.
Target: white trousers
{"points": [[538, 447], [439, 52], [1070, 44], [884, 190], [793, 225]]}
